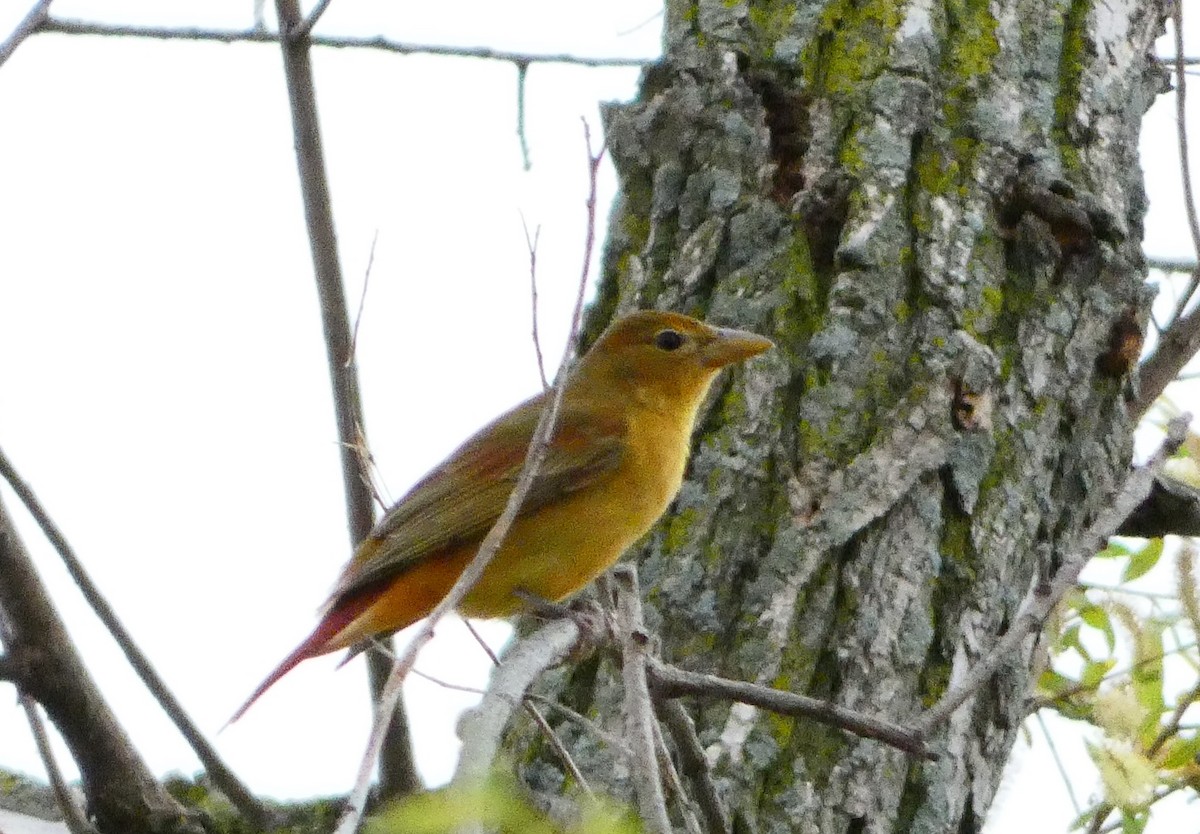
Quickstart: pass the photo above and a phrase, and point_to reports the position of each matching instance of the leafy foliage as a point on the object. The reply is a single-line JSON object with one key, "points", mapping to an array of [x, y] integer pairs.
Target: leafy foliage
{"points": [[499, 805], [1112, 650]]}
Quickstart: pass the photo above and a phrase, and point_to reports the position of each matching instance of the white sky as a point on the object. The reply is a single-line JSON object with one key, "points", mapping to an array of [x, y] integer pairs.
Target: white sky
{"points": [[165, 389]]}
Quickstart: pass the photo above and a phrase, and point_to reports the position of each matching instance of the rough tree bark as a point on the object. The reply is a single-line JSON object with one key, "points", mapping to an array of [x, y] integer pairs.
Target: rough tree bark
{"points": [[936, 210]]}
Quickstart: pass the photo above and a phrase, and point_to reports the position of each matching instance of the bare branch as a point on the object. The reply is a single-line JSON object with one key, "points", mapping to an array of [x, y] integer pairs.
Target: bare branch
{"points": [[522, 77], [362, 298], [531, 244], [122, 793], [592, 728], [85, 27], [638, 708], [1185, 172], [695, 764], [397, 770], [673, 682], [1058, 763], [671, 780], [445, 684], [481, 729], [1043, 597], [1169, 265], [305, 27], [1181, 340], [1187, 61], [240, 795], [559, 748], [73, 815], [482, 643], [29, 25], [1171, 508], [1175, 349], [534, 713]]}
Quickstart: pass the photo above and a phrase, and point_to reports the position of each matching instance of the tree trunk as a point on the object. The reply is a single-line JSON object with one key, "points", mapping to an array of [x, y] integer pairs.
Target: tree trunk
{"points": [[936, 210]]}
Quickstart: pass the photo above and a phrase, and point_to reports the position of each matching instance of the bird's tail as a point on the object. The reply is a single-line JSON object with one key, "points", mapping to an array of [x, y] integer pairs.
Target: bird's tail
{"points": [[321, 641], [303, 652]]}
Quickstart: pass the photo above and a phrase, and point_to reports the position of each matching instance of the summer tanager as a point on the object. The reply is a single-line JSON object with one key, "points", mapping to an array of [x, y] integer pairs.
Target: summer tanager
{"points": [[615, 460]]}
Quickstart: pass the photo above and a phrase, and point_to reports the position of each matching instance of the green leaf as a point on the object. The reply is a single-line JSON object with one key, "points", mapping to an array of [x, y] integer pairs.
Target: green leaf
{"points": [[1142, 561], [1070, 639], [1098, 618], [1134, 823], [1095, 670], [1054, 683], [1115, 550], [1147, 672], [1181, 752]]}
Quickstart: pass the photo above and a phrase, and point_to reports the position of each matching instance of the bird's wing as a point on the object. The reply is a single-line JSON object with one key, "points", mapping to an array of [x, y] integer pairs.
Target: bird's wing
{"points": [[460, 500]]}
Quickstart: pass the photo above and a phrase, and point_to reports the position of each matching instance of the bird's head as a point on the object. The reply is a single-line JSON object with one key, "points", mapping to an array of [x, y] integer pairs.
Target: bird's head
{"points": [[664, 358]]}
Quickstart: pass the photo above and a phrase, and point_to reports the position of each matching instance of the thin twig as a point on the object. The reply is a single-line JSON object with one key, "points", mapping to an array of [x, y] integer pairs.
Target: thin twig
{"points": [[482, 643], [532, 244], [1188, 61], [1041, 703], [538, 447], [1118, 589], [559, 749], [29, 25], [615, 742], [626, 32], [445, 684], [1185, 173], [534, 713], [72, 814], [398, 773], [673, 682], [66, 26], [589, 242], [672, 781], [637, 705], [522, 77], [240, 795], [1058, 762], [695, 764], [1043, 597], [1170, 265], [305, 27], [362, 299]]}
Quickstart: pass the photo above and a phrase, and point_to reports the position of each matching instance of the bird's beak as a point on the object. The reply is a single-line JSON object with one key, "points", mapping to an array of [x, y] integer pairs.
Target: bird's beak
{"points": [[729, 346]]}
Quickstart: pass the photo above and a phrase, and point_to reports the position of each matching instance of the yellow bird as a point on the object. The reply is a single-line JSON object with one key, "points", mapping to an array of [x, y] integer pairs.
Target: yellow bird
{"points": [[613, 464]]}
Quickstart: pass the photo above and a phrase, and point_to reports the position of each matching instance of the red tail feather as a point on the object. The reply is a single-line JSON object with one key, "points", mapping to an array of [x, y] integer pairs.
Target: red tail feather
{"points": [[316, 644]]}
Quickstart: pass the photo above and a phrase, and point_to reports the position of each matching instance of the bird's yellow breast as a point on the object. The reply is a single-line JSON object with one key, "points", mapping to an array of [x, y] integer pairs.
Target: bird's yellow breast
{"points": [[559, 549]]}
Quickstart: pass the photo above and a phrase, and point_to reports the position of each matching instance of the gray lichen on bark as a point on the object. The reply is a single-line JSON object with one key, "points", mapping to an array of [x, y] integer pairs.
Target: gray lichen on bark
{"points": [[926, 205]]}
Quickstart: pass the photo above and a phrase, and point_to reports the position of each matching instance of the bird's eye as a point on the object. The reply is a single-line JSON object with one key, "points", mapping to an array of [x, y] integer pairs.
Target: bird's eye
{"points": [[668, 340]]}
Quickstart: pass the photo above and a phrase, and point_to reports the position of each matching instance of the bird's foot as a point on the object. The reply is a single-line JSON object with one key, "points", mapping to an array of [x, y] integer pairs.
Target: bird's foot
{"points": [[585, 612]]}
